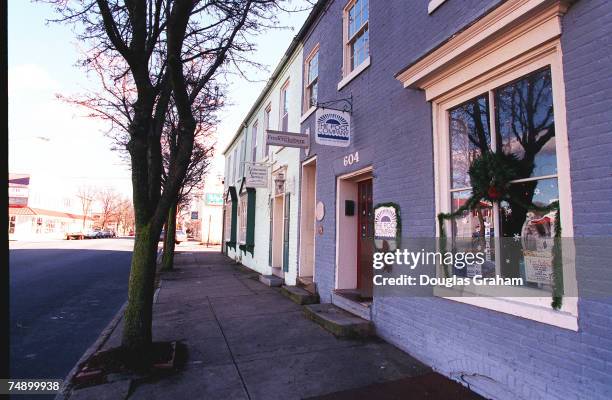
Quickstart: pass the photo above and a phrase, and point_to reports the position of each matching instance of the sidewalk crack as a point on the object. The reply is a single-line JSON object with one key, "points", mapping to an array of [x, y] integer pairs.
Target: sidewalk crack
{"points": [[244, 386]]}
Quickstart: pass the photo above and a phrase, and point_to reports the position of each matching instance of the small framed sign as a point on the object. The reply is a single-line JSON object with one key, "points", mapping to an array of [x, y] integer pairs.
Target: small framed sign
{"points": [[387, 225]]}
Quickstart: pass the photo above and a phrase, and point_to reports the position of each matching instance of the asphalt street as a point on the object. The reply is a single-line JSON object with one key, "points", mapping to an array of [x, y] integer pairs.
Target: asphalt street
{"points": [[62, 294]]}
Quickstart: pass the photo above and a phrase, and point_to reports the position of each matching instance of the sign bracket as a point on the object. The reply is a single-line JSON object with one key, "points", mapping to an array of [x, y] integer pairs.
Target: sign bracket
{"points": [[347, 107]]}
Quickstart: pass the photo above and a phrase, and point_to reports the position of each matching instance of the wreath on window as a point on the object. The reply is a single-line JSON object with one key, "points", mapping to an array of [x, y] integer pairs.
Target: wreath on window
{"points": [[491, 175]]}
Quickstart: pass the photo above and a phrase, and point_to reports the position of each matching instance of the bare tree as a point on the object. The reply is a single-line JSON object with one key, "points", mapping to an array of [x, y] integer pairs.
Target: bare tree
{"points": [[200, 160], [108, 199], [86, 195], [125, 215], [159, 52]]}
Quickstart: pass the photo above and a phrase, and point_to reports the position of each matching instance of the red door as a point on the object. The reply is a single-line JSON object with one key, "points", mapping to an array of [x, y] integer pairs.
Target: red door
{"points": [[365, 243]]}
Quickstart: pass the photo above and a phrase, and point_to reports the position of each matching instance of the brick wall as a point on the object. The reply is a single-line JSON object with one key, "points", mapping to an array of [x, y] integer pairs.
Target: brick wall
{"points": [[497, 354]]}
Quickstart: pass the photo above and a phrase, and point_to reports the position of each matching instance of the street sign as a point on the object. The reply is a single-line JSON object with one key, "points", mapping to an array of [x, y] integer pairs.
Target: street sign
{"points": [[194, 215], [332, 128], [256, 175], [287, 139], [214, 199]]}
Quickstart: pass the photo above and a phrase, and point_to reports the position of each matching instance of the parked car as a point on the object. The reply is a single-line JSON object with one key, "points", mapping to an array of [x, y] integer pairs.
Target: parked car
{"points": [[131, 232], [179, 237], [91, 234], [107, 233], [74, 235]]}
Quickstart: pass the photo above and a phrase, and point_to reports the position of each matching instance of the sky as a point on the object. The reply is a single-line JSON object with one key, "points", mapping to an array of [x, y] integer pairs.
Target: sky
{"points": [[54, 141]]}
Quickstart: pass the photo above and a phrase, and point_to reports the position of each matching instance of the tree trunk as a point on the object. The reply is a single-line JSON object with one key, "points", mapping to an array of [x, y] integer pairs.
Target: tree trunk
{"points": [[137, 336], [169, 240]]}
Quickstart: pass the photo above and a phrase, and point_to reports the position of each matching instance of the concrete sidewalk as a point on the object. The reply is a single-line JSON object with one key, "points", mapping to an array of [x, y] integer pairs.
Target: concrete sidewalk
{"points": [[247, 341]]}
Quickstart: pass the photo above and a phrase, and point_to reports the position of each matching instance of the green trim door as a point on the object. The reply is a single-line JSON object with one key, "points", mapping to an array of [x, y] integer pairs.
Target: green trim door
{"points": [[286, 233], [250, 228]]}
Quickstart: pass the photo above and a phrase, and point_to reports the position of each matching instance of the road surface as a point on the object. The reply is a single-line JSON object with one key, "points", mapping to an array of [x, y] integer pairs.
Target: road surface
{"points": [[62, 294]]}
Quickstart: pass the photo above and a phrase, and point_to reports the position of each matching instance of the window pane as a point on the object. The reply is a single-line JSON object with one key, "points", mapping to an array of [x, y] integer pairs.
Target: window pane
{"points": [[313, 94], [313, 68], [472, 224], [517, 221], [469, 137], [359, 49], [352, 27], [525, 123]]}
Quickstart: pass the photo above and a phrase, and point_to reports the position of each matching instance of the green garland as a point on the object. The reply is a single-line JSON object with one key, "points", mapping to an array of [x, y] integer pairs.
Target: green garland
{"points": [[490, 175]]}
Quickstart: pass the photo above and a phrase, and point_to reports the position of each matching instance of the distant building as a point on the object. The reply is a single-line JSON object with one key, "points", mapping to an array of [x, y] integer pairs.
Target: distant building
{"points": [[210, 212], [35, 213]]}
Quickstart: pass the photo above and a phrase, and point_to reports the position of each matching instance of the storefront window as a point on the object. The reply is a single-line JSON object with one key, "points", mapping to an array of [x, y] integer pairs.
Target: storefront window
{"points": [[242, 218], [524, 128]]}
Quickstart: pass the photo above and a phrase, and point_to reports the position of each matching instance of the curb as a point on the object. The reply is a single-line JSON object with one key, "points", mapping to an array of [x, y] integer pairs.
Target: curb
{"points": [[66, 387]]}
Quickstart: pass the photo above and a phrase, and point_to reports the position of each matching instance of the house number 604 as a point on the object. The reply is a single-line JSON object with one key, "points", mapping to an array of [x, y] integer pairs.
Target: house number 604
{"points": [[351, 159]]}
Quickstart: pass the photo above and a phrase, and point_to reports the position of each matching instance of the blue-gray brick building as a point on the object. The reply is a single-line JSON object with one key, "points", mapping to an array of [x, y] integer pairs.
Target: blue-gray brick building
{"points": [[430, 86]]}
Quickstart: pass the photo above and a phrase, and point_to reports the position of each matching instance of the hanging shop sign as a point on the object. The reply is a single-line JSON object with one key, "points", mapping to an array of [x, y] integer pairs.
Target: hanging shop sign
{"points": [[387, 226], [256, 175], [332, 128], [287, 139]]}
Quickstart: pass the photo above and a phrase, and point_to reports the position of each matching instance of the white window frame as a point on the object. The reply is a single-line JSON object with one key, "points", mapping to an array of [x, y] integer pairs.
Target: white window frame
{"points": [[228, 221], [242, 217], [348, 73], [266, 123], [254, 134], [284, 99], [308, 107], [536, 308]]}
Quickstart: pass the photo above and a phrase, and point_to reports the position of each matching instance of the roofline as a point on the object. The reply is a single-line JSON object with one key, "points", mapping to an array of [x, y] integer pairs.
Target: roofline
{"points": [[295, 42]]}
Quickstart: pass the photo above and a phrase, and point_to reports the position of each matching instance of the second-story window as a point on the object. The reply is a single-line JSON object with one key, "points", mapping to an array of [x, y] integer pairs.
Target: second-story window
{"points": [[267, 125], [357, 46], [312, 78], [284, 107], [254, 141]]}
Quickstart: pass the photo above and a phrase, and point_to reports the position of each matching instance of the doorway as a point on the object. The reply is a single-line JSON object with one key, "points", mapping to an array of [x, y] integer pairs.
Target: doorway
{"points": [[308, 225], [354, 243], [277, 235]]}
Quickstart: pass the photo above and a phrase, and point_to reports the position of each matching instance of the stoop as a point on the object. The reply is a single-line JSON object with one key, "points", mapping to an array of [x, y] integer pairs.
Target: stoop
{"points": [[339, 322], [299, 295], [271, 280]]}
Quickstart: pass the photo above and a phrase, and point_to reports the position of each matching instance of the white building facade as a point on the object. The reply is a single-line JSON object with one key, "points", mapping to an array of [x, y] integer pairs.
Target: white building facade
{"points": [[261, 224]]}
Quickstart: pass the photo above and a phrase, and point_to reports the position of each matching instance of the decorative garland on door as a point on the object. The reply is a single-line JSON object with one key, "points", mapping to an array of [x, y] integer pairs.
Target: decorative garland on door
{"points": [[490, 175]]}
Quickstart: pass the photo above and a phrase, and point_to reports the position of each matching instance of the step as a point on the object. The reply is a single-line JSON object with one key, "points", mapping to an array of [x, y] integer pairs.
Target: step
{"points": [[307, 284], [271, 280], [353, 307], [339, 322], [299, 295]]}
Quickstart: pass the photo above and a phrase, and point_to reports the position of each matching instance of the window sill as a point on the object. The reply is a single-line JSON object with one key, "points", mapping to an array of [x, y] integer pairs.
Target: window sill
{"points": [[519, 307], [365, 64], [307, 114], [433, 5]]}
